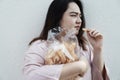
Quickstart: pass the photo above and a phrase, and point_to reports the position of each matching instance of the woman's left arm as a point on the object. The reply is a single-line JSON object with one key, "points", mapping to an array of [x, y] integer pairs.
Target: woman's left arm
{"points": [[96, 40]]}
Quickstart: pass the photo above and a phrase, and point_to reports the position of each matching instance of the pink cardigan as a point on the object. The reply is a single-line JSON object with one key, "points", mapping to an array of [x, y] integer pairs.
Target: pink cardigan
{"points": [[34, 68]]}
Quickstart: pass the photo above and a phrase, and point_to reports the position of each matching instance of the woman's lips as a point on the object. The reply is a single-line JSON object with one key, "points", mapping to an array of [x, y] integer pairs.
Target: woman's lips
{"points": [[77, 27]]}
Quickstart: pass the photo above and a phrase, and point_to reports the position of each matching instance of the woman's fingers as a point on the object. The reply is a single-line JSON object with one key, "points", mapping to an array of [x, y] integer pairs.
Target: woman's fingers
{"points": [[93, 33], [99, 35]]}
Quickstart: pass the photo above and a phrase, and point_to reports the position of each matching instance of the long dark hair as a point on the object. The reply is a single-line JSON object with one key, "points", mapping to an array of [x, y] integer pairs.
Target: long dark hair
{"points": [[55, 14]]}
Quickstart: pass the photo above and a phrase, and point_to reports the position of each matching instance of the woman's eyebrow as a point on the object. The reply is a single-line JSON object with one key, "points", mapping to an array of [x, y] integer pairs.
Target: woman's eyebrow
{"points": [[75, 13]]}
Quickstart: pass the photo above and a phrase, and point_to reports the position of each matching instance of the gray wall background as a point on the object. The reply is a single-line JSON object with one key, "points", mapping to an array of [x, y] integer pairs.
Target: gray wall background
{"points": [[22, 20]]}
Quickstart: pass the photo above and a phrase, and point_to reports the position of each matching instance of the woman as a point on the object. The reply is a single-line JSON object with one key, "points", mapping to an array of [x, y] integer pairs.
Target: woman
{"points": [[66, 14]]}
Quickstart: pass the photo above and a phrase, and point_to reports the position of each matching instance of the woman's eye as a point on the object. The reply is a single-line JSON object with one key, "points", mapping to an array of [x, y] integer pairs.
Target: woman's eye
{"points": [[73, 15]]}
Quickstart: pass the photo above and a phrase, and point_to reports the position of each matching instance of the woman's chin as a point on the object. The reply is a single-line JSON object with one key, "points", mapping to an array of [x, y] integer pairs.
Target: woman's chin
{"points": [[76, 32]]}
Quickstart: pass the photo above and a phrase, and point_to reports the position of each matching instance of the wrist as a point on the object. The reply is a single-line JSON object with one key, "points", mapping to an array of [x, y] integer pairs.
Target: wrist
{"points": [[97, 48], [97, 51]]}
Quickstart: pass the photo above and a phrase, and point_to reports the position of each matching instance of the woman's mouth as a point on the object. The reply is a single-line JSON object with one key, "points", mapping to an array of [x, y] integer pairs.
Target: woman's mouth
{"points": [[77, 27]]}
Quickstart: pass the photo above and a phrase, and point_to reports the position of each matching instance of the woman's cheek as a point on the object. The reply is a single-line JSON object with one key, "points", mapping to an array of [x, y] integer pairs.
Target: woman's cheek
{"points": [[72, 23]]}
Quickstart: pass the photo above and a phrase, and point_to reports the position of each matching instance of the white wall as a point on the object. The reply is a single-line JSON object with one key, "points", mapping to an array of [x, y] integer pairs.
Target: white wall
{"points": [[22, 20]]}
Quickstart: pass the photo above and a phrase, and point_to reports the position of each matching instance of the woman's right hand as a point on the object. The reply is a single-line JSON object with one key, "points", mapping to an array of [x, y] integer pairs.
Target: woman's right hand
{"points": [[85, 64], [77, 68]]}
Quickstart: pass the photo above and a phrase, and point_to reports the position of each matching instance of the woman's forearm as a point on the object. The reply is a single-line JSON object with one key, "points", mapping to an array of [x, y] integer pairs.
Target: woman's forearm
{"points": [[74, 68], [98, 58]]}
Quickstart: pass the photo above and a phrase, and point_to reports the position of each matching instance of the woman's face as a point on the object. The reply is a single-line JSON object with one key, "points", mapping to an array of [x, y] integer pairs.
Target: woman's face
{"points": [[71, 18]]}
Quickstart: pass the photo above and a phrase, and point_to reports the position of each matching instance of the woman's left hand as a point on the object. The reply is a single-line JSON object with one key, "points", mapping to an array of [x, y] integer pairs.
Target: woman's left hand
{"points": [[95, 38]]}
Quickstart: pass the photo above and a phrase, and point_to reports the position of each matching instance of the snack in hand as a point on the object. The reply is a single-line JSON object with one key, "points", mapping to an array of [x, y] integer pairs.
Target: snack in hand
{"points": [[62, 49], [60, 57]]}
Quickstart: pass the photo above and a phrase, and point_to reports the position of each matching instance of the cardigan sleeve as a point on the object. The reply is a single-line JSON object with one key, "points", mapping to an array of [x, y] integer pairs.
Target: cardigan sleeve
{"points": [[34, 68], [96, 73]]}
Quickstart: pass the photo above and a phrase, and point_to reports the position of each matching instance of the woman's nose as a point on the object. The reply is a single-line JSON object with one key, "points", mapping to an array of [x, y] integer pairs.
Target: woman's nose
{"points": [[78, 20]]}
